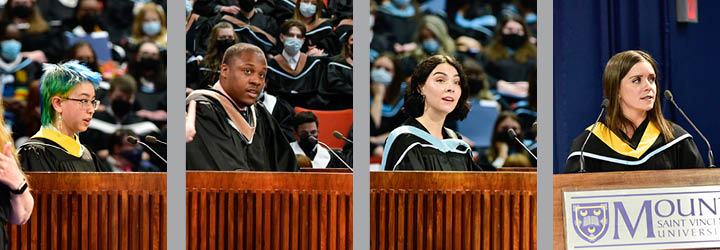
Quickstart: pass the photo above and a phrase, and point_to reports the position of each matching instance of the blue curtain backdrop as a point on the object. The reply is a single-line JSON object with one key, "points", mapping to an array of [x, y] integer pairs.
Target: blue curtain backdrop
{"points": [[588, 32]]}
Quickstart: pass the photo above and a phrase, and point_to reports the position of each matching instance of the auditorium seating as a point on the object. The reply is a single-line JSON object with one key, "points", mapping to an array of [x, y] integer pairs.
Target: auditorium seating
{"points": [[330, 121]]}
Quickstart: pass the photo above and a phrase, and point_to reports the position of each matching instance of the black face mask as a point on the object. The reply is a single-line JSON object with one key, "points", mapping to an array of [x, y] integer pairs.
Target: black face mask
{"points": [[504, 137], [246, 5], [149, 63], [223, 45], [120, 107], [306, 144], [88, 22], [22, 11], [514, 41]]}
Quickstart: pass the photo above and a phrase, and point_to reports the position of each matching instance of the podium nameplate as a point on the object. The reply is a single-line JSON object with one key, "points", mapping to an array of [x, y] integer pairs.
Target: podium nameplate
{"points": [[649, 218]]}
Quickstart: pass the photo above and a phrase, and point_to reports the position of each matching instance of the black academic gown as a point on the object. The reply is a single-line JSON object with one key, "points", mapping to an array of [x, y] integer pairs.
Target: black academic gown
{"points": [[217, 145], [647, 150], [409, 151], [298, 87], [41, 154], [323, 37], [247, 35], [339, 85]]}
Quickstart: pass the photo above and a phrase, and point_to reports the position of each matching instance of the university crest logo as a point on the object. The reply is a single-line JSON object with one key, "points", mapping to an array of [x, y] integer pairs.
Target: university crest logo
{"points": [[590, 220]]}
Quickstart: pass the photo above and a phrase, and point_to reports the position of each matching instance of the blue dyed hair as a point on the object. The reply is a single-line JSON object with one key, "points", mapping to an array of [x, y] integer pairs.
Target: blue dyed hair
{"points": [[59, 80]]}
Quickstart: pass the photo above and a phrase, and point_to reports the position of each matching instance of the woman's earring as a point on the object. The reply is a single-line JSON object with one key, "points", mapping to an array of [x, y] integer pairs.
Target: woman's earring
{"points": [[59, 122]]}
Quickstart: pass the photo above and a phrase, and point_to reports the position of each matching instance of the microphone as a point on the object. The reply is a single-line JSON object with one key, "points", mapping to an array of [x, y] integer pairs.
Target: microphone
{"points": [[603, 106], [154, 140], [711, 158], [315, 140], [341, 137], [134, 141], [514, 135]]}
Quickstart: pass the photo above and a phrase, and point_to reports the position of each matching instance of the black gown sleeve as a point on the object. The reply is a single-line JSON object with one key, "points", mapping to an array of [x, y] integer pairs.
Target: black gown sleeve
{"points": [[203, 152], [689, 155], [33, 158], [278, 148], [572, 165]]}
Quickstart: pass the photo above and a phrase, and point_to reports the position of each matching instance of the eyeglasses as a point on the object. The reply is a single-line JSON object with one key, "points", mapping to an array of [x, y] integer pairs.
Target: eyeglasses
{"points": [[94, 104]]}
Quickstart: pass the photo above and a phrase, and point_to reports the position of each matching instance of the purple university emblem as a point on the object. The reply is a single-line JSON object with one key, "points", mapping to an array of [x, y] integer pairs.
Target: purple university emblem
{"points": [[590, 220]]}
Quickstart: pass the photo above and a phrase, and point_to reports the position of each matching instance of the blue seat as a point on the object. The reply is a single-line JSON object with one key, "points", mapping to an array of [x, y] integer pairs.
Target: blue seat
{"points": [[478, 124]]}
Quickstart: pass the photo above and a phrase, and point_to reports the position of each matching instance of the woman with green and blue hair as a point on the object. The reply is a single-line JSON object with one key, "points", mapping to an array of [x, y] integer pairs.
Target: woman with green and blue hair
{"points": [[67, 103]]}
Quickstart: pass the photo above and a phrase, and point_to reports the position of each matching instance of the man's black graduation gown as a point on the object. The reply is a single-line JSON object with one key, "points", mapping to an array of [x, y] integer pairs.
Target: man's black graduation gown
{"points": [[298, 87], [339, 85], [49, 151], [411, 147], [648, 150], [218, 145]]}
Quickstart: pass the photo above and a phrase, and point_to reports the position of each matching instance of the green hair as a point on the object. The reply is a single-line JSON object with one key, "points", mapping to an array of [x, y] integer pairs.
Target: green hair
{"points": [[58, 80]]}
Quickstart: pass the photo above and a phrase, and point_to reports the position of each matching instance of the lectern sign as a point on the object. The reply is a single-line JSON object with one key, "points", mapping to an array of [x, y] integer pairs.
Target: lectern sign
{"points": [[654, 218]]}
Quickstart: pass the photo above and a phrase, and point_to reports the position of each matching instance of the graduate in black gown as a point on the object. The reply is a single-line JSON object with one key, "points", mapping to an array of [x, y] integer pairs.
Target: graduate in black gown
{"points": [[294, 75], [634, 134], [67, 106], [16, 202], [438, 91], [230, 130], [252, 26]]}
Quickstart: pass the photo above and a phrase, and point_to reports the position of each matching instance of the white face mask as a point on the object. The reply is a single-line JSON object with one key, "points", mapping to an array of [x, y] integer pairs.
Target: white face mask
{"points": [[307, 9]]}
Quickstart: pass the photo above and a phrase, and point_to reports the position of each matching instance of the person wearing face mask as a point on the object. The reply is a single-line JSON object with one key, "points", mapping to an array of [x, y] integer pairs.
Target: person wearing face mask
{"points": [[18, 73], [40, 42], [252, 26], [148, 69], [397, 19], [432, 38], [86, 25], [150, 24], [508, 59], [338, 90], [227, 129], [203, 72], [634, 134], [294, 75], [118, 114], [387, 85], [320, 33], [126, 157], [438, 90], [306, 133], [504, 151]]}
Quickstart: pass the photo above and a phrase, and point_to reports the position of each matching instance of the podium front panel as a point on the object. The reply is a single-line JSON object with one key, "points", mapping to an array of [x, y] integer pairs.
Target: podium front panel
{"points": [[453, 210], [268, 210]]}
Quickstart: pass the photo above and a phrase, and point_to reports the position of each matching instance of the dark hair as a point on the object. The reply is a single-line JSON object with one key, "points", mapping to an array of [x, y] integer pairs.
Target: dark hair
{"points": [[72, 51], [616, 69], [118, 138], [496, 50], [415, 101], [135, 70], [213, 56], [304, 117], [493, 151], [285, 27], [234, 51]]}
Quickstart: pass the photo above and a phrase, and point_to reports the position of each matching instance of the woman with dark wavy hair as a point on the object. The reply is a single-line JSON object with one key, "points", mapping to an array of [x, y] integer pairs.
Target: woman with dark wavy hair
{"points": [[634, 134], [438, 90]]}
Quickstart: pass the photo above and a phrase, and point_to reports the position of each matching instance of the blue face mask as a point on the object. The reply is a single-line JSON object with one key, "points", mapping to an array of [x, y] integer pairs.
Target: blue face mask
{"points": [[292, 45], [380, 75], [10, 49], [430, 46], [151, 28], [307, 9]]}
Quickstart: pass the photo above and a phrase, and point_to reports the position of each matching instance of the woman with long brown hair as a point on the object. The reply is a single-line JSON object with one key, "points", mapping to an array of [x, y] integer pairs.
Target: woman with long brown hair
{"points": [[634, 134]]}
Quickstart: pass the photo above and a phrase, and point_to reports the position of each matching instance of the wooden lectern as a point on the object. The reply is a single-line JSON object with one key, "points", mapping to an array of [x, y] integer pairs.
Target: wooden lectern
{"points": [[94, 211], [453, 210], [621, 180], [269, 210]]}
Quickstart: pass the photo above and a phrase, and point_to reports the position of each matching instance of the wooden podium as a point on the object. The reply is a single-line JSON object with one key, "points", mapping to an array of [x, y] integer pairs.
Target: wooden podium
{"points": [[94, 211], [621, 180], [269, 210], [453, 210]]}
